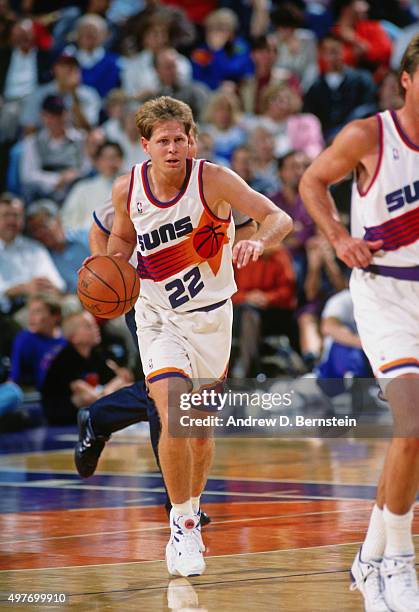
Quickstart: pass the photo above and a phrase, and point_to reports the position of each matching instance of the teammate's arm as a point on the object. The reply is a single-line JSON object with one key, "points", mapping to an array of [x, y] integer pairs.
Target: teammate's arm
{"points": [[223, 185], [355, 142], [123, 237], [98, 240]]}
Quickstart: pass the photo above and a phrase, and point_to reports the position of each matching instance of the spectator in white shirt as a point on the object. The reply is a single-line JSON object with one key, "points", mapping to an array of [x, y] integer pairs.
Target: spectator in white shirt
{"points": [[54, 157], [83, 198], [25, 265], [82, 102]]}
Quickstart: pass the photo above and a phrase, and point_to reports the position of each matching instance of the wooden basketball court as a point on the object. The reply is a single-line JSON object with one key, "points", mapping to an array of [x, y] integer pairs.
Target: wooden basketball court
{"points": [[287, 518]]}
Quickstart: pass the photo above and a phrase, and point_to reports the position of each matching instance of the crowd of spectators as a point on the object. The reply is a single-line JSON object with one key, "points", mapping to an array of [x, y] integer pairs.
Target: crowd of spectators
{"points": [[270, 83]]}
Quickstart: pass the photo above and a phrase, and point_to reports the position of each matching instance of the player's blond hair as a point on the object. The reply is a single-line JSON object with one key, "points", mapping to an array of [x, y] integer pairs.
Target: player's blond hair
{"points": [[410, 60], [161, 109]]}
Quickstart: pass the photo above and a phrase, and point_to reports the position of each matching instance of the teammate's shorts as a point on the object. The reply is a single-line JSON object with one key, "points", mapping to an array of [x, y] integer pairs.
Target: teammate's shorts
{"points": [[193, 345], [387, 316]]}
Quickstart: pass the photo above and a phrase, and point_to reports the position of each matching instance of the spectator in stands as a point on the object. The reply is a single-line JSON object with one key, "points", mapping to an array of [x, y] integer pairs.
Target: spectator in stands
{"points": [[281, 115], [297, 49], [80, 203], [54, 157], [80, 373], [324, 277], [291, 168], [99, 68], [68, 247], [81, 101], [35, 347], [127, 138], [139, 76], [222, 123], [264, 304], [342, 349], [22, 68], [11, 398], [25, 266], [264, 162], [253, 16], [264, 54], [115, 106], [241, 163], [366, 43], [388, 94], [223, 56], [193, 93], [340, 94]]}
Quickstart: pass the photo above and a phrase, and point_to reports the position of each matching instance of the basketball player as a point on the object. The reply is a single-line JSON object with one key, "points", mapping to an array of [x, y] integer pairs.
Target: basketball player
{"points": [[175, 210], [383, 251]]}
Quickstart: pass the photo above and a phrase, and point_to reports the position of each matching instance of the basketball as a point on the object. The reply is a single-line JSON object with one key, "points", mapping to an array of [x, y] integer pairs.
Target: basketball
{"points": [[108, 286], [207, 241]]}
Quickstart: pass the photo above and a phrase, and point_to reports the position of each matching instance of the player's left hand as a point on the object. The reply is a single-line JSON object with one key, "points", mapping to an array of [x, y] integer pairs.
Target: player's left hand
{"points": [[247, 250]]}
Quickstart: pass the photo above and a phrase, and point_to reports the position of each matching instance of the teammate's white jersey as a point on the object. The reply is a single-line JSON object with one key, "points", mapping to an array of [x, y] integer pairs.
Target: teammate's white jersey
{"points": [[184, 251], [388, 209]]}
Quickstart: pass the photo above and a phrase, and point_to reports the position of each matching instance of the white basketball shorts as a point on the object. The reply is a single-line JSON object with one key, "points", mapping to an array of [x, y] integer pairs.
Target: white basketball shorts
{"points": [[193, 345], [387, 316]]}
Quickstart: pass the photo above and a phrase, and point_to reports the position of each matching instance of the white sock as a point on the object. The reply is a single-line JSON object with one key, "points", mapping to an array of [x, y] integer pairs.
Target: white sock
{"points": [[195, 504], [183, 509], [398, 533], [375, 540]]}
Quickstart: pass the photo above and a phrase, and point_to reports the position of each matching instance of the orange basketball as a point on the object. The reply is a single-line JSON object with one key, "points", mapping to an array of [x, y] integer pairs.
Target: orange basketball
{"points": [[207, 241], [108, 286]]}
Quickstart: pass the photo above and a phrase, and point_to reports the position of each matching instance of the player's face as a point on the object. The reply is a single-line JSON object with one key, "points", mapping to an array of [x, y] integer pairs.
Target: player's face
{"points": [[168, 146], [411, 86]]}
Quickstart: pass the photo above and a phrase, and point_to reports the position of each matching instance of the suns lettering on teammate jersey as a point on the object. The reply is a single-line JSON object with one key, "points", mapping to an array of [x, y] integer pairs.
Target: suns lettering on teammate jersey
{"points": [[388, 209]]}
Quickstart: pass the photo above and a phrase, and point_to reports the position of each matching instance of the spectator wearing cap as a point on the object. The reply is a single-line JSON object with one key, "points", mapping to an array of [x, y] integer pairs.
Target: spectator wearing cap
{"points": [[68, 247], [82, 102], [25, 265], [83, 198], [223, 56], [54, 157], [99, 68]]}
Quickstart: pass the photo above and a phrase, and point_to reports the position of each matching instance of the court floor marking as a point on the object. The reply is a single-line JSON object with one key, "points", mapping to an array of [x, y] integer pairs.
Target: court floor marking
{"points": [[47, 470], [71, 485], [165, 527]]}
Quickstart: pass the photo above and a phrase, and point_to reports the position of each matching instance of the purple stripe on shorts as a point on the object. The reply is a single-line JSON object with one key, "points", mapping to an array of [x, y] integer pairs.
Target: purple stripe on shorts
{"points": [[167, 375], [407, 364], [410, 273]]}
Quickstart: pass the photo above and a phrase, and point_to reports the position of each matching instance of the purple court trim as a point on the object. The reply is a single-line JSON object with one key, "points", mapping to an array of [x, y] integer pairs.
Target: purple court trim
{"points": [[410, 273], [210, 307]]}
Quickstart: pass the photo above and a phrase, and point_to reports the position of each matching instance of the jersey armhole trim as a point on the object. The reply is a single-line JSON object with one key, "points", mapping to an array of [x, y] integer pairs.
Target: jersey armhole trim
{"points": [[131, 186], [100, 225], [203, 200], [361, 192]]}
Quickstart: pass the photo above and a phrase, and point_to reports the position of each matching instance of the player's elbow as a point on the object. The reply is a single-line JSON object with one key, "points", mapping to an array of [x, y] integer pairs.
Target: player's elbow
{"points": [[287, 224]]}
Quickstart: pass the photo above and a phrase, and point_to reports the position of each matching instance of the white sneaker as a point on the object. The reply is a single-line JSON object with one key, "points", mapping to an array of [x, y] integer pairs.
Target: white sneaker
{"points": [[366, 578], [400, 587], [184, 550]]}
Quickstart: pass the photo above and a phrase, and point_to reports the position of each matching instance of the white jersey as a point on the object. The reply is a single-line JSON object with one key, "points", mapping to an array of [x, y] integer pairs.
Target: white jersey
{"points": [[184, 251], [388, 209]]}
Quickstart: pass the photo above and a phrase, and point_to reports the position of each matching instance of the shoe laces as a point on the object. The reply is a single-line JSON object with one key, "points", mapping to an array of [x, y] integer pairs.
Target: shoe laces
{"points": [[404, 570], [371, 579]]}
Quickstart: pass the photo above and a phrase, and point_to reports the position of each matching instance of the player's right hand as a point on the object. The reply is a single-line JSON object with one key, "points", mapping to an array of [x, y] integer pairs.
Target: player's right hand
{"points": [[355, 252]]}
